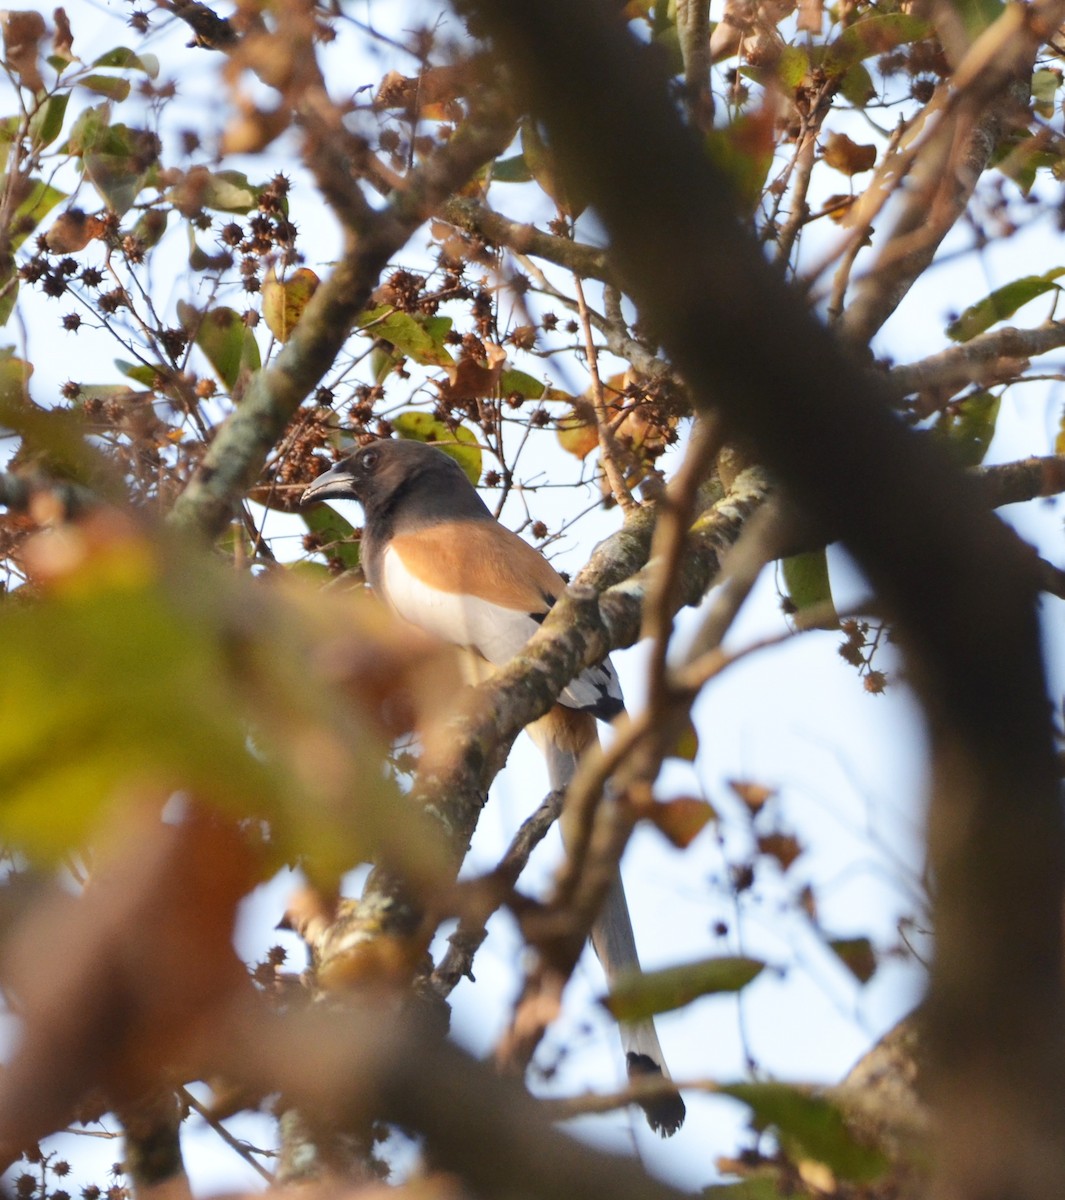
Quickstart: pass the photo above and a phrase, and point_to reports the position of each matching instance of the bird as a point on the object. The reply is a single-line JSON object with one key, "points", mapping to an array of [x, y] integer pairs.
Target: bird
{"points": [[436, 556]]}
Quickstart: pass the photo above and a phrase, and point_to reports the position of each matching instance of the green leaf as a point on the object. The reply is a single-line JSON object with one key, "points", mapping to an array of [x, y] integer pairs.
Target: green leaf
{"points": [[29, 214], [9, 285], [285, 300], [875, 34], [793, 66], [541, 163], [138, 670], [511, 170], [418, 337], [977, 15], [638, 995], [117, 158], [150, 226], [111, 86], [1045, 84], [230, 191], [857, 86], [1019, 155], [968, 425], [229, 345], [760, 1188], [460, 443], [743, 150], [526, 385], [809, 590], [122, 56], [46, 124], [857, 955], [810, 1127], [337, 534], [145, 373], [1002, 303]]}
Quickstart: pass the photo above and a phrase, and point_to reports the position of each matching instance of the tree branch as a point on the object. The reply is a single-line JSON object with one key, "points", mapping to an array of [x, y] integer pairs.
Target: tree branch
{"points": [[940, 560], [474, 216], [997, 356], [990, 85], [236, 456]]}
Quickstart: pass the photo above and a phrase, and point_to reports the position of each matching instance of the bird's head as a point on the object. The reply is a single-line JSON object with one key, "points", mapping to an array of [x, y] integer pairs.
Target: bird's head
{"points": [[386, 472]]}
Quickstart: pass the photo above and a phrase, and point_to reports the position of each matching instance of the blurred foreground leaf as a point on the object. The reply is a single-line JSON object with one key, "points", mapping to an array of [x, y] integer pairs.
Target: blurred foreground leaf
{"points": [[810, 1127], [641, 995], [144, 670]]}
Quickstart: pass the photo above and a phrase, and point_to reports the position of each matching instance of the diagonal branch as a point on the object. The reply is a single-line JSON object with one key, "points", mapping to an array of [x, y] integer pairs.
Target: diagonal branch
{"points": [[948, 569]]}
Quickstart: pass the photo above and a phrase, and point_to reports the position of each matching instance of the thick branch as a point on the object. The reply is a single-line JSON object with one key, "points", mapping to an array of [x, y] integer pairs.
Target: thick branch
{"points": [[601, 611], [994, 357], [341, 1065], [941, 561]]}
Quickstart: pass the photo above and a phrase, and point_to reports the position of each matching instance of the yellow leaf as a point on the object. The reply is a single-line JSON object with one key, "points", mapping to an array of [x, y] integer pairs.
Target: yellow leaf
{"points": [[285, 300], [577, 435]]}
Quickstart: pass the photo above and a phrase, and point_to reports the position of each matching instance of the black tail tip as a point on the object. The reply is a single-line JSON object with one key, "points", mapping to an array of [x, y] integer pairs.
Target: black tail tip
{"points": [[665, 1113]]}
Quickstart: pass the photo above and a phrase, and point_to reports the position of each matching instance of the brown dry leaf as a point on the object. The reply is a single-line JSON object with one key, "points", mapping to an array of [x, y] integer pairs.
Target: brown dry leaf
{"points": [[682, 820], [118, 988], [848, 157], [474, 379], [432, 95], [754, 795], [63, 38], [401, 678], [23, 32], [746, 23], [73, 231], [781, 846], [254, 128], [811, 15]]}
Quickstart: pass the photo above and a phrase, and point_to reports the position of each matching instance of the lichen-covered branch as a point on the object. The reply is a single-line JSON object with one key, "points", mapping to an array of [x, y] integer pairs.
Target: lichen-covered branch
{"points": [[998, 356]]}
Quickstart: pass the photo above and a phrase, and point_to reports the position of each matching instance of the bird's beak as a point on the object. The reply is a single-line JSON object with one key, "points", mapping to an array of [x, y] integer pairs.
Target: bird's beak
{"points": [[335, 484]]}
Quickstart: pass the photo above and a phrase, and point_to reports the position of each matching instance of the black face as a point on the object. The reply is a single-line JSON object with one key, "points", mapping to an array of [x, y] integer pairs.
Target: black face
{"points": [[378, 473]]}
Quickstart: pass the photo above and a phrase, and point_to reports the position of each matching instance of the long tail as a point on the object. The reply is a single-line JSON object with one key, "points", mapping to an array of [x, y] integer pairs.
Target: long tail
{"points": [[562, 736]]}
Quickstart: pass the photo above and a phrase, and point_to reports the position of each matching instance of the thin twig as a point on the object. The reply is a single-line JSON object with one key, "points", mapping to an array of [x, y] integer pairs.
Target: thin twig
{"points": [[468, 938], [241, 1148], [608, 447]]}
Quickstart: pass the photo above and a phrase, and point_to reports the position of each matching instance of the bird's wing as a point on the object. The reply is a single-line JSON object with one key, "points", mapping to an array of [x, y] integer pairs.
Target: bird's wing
{"points": [[475, 583]]}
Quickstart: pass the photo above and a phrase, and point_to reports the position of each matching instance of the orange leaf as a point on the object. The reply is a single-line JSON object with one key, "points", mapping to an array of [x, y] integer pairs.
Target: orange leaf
{"points": [[754, 795], [851, 158], [682, 820]]}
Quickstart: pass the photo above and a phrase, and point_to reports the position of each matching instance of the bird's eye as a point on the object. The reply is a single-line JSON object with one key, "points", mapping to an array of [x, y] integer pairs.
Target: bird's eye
{"points": [[369, 459]]}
